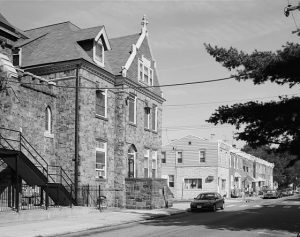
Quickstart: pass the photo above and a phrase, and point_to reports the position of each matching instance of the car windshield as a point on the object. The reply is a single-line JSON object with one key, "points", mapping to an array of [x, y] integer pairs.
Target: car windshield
{"points": [[206, 196]]}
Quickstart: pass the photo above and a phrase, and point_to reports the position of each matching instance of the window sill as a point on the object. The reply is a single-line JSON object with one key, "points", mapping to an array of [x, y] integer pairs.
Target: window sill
{"points": [[155, 132], [101, 179], [147, 129], [101, 117], [48, 135], [132, 124]]}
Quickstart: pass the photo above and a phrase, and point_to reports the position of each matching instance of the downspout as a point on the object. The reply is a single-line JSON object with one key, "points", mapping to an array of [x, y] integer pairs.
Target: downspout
{"points": [[76, 134]]}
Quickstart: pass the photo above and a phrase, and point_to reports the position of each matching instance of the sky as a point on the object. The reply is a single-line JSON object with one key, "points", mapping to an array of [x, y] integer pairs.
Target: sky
{"points": [[177, 32]]}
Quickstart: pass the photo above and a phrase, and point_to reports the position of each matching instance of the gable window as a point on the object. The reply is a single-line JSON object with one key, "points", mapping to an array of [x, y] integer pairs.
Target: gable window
{"points": [[101, 103], [98, 52], [145, 73], [16, 56], [132, 109], [101, 159], [163, 157], [146, 118], [146, 163], [48, 120], [154, 118], [171, 181], [179, 156], [202, 156], [154, 164]]}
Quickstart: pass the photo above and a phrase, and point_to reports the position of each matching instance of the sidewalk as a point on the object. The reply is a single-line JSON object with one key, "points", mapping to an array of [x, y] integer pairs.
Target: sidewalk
{"points": [[65, 220]]}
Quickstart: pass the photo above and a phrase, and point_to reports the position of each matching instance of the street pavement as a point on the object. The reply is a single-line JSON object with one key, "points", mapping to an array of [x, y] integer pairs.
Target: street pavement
{"points": [[256, 217]]}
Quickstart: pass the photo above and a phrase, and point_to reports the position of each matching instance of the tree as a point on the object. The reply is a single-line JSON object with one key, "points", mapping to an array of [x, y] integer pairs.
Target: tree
{"points": [[273, 123]]}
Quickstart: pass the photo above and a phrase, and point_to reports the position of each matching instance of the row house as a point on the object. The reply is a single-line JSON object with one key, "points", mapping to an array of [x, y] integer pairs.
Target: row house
{"points": [[87, 103], [193, 165]]}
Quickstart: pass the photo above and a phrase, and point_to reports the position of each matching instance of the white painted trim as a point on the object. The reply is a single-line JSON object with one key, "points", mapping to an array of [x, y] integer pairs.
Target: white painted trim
{"points": [[133, 53], [156, 163], [103, 32], [148, 157], [101, 64], [48, 135], [105, 102]]}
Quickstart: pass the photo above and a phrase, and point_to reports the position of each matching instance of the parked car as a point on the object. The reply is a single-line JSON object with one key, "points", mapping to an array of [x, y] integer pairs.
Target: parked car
{"points": [[208, 201], [283, 192], [272, 194]]}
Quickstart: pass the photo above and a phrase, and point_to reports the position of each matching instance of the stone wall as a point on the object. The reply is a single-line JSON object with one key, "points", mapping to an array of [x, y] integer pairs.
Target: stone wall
{"points": [[147, 193]]}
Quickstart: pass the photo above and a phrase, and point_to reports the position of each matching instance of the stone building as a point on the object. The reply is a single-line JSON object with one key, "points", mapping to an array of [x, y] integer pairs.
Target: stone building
{"points": [[193, 165], [88, 103]]}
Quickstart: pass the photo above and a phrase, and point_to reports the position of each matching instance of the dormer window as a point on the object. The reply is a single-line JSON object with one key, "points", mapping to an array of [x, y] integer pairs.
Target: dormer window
{"points": [[16, 55], [98, 52], [145, 74]]}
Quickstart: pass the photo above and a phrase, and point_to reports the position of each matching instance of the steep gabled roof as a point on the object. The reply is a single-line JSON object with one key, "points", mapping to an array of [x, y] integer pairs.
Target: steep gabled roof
{"points": [[121, 49], [10, 29], [57, 43]]}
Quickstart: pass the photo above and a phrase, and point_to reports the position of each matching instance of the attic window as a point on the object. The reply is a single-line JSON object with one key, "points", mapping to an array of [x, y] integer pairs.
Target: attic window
{"points": [[16, 53], [98, 52], [145, 74]]}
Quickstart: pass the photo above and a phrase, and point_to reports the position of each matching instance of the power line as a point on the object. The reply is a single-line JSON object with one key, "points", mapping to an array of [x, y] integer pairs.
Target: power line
{"points": [[227, 101], [134, 87]]}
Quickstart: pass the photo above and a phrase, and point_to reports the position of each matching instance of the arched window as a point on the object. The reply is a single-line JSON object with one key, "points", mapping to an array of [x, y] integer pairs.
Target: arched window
{"points": [[131, 161], [48, 120]]}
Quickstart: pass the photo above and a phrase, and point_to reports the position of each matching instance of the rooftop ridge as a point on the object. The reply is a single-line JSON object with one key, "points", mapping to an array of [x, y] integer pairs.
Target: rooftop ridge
{"points": [[125, 36], [53, 25]]}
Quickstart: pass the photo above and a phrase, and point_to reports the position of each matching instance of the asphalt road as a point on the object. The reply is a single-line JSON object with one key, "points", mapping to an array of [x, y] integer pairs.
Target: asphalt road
{"points": [[261, 218]]}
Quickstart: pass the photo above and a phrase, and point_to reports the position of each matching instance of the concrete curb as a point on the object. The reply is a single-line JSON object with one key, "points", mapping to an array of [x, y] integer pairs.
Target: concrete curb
{"points": [[116, 225]]}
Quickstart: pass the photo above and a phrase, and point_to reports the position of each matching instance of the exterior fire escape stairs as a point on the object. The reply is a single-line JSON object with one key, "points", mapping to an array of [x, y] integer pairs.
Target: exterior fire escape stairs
{"points": [[23, 161]]}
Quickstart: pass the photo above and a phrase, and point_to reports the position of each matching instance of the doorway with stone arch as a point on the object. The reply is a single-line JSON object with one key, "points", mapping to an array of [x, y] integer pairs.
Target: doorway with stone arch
{"points": [[131, 161]]}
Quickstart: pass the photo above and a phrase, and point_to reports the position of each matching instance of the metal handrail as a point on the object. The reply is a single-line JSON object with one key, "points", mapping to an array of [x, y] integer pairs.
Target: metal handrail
{"points": [[23, 143]]}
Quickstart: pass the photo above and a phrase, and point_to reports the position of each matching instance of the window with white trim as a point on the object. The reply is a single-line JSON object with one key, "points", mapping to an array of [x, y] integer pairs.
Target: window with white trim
{"points": [[132, 109], [171, 181], [154, 118], [179, 156], [146, 163], [101, 159], [16, 56], [101, 103], [192, 183], [154, 164], [202, 156], [145, 72], [48, 120], [98, 52]]}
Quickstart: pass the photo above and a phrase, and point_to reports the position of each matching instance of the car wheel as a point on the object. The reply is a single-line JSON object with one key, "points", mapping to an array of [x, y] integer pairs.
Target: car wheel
{"points": [[192, 209], [223, 206], [214, 208]]}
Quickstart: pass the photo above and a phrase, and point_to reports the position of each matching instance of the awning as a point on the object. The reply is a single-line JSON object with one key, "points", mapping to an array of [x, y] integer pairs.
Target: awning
{"points": [[237, 175], [249, 179]]}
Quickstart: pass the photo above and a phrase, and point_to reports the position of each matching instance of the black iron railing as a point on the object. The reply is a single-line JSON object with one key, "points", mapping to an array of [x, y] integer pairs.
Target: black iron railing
{"points": [[14, 140]]}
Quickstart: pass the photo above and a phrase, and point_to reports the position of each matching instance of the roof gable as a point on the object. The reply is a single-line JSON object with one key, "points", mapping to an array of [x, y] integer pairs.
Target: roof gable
{"points": [[121, 49]]}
